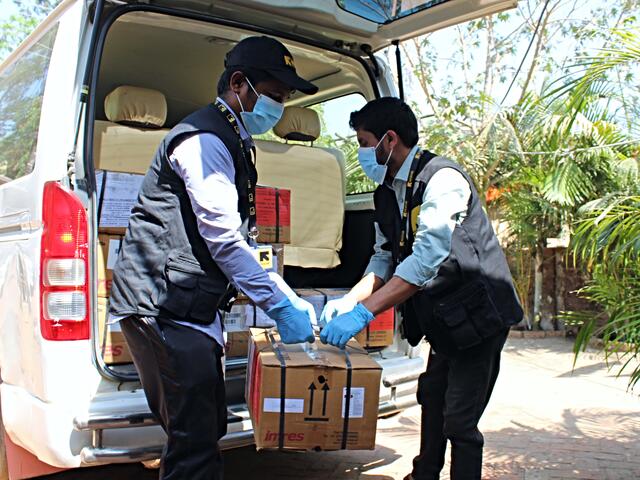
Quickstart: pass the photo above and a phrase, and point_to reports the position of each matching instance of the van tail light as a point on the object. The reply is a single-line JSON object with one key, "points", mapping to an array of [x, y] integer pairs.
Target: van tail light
{"points": [[64, 272]]}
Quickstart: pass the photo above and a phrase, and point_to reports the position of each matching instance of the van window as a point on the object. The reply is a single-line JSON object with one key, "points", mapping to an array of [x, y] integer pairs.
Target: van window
{"points": [[336, 133], [21, 90], [386, 11]]}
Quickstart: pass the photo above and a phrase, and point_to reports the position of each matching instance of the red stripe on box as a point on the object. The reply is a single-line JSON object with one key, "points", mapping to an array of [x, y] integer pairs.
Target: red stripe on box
{"points": [[383, 321], [266, 206]]}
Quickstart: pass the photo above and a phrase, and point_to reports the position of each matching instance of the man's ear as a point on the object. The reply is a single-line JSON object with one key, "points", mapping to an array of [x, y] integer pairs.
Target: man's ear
{"points": [[394, 139], [236, 81]]}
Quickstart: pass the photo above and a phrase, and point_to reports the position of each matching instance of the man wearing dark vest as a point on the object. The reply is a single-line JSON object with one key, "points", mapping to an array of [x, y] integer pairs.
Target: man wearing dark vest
{"points": [[187, 249], [437, 258]]}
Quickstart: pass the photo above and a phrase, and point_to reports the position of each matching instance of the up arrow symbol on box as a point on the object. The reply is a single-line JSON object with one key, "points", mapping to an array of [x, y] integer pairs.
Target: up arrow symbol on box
{"points": [[325, 389], [312, 389]]}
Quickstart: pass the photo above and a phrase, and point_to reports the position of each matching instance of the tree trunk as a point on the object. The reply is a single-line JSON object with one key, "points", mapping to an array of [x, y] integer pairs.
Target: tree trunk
{"points": [[537, 286], [560, 287]]}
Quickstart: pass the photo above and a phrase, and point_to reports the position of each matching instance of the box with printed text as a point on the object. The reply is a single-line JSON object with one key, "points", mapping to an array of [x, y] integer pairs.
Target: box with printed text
{"points": [[113, 346], [108, 249], [319, 398], [273, 214]]}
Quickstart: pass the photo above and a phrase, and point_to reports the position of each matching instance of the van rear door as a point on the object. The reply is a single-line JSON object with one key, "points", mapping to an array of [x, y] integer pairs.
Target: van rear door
{"points": [[342, 22]]}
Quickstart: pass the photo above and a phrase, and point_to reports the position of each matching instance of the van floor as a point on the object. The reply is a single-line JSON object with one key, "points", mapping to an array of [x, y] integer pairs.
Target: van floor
{"points": [[545, 421]]}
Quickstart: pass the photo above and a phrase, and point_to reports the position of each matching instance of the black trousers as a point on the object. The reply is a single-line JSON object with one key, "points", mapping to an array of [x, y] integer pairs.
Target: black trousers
{"points": [[453, 393], [181, 372]]}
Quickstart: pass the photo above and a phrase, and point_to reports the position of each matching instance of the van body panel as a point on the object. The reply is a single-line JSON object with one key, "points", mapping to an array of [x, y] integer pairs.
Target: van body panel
{"points": [[326, 22]]}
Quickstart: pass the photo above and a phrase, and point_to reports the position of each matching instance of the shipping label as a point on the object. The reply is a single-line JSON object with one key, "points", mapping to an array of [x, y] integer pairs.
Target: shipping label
{"points": [[291, 405], [356, 405]]}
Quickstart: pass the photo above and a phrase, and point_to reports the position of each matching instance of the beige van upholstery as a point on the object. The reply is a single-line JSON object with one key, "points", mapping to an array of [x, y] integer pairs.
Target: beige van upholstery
{"points": [[315, 177], [129, 148], [138, 106]]}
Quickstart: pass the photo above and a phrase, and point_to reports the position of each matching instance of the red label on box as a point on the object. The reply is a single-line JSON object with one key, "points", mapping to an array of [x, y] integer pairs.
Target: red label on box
{"points": [[384, 321], [266, 206]]}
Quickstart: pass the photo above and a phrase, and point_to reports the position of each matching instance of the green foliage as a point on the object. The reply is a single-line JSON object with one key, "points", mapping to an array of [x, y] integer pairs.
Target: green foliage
{"points": [[16, 28], [607, 236], [607, 240]]}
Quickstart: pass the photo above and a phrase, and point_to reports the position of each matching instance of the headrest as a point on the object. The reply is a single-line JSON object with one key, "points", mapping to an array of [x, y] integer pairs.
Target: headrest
{"points": [[297, 123], [136, 106]]}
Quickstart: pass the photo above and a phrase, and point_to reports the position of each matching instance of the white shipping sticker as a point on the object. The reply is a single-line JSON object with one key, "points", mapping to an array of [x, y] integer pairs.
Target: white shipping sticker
{"points": [[291, 405], [356, 405], [234, 320], [121, 192], [112, 255]]}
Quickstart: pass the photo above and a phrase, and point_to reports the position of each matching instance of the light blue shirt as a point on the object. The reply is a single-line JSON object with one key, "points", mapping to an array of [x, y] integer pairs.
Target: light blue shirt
{"points": [[444, 205], [206, 166]]}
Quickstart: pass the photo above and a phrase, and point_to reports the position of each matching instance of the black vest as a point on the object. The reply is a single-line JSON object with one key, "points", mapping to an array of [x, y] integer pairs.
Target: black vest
{"points": [[164, 264], [472, 297]]}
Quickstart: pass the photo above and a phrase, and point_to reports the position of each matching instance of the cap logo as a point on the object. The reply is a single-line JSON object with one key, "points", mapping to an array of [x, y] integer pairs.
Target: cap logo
{"points": [[289, 61]]}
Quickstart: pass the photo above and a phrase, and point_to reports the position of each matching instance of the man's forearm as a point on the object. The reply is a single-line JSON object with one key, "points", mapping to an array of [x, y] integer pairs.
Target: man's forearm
{"points": [[394, 292], [365, 287]]}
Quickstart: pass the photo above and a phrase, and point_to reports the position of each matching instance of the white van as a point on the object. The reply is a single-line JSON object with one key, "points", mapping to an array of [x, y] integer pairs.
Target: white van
{"points": [[63, 405]]}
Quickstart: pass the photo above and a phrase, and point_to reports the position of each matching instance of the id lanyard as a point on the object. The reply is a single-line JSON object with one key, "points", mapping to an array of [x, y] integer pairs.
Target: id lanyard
{"points": [[408, 193], [251, 188]]}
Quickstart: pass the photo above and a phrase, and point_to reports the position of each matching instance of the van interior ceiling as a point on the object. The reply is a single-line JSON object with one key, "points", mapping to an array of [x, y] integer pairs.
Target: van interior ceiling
{"points": [[183, 59]]}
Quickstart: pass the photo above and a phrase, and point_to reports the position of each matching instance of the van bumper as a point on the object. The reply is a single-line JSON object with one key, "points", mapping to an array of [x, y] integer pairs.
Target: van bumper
{"points": [[117, 426]]}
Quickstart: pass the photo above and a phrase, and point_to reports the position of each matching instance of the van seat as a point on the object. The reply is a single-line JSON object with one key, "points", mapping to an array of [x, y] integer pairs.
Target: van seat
{"points": [[315, 177], [130, 137]]}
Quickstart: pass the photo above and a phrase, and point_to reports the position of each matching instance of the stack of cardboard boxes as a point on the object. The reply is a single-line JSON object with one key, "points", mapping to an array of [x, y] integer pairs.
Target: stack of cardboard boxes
{"points": [[117, 193]]}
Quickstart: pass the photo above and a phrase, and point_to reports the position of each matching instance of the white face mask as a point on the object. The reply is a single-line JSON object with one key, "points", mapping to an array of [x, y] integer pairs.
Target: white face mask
{"points": [[369, 162]]}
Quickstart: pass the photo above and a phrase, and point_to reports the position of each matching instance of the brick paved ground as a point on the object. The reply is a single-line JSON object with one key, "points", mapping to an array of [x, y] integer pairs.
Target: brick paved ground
{"points": [[544, 422]]}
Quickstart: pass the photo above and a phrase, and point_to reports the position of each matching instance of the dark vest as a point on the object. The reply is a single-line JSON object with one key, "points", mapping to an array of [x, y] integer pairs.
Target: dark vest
{"points": [[164, 265], [472, 297]]}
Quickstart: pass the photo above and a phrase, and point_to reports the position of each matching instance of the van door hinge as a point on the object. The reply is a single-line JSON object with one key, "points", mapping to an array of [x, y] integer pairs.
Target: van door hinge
{"points": [[366, 49]]}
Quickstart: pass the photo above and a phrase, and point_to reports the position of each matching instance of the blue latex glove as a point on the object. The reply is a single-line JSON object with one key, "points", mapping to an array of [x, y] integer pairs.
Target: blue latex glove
{"points": [[293, 321], [336, 307], [343, 327]]}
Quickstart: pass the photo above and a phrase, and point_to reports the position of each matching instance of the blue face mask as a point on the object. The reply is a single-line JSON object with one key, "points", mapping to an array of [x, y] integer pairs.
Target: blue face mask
{"points": [[264, 116], [369, 162]]}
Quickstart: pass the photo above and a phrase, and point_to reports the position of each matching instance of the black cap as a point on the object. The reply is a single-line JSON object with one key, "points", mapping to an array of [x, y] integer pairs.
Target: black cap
{"points": [[271, 56]]}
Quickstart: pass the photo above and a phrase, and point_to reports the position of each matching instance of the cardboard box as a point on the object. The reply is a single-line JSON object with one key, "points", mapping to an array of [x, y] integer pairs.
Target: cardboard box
{"points": [[108, 249], [273, 214], [237, 344], [117, 193], [297, 399], [379, 333], [113, 346]]}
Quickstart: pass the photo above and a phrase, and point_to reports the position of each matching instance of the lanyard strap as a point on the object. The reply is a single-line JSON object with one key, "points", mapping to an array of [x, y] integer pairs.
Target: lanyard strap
{"points": [[251, 188], [408, 193]]}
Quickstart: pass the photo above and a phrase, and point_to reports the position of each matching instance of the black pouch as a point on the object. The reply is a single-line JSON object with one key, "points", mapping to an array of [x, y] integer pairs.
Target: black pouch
{"points": [[189, 293], [468, 315]]}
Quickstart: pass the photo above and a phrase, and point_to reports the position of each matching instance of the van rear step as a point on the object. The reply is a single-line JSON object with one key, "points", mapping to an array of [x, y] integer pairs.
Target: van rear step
{"points": [[104, 455], [240, 435]]}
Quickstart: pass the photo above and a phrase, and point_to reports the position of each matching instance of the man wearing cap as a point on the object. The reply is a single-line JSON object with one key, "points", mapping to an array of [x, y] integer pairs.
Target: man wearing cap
{"points": [[187, 248]]}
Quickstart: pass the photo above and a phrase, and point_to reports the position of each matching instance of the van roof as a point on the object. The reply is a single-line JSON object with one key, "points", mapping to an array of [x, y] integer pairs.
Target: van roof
{"points": [[345, 22]]}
